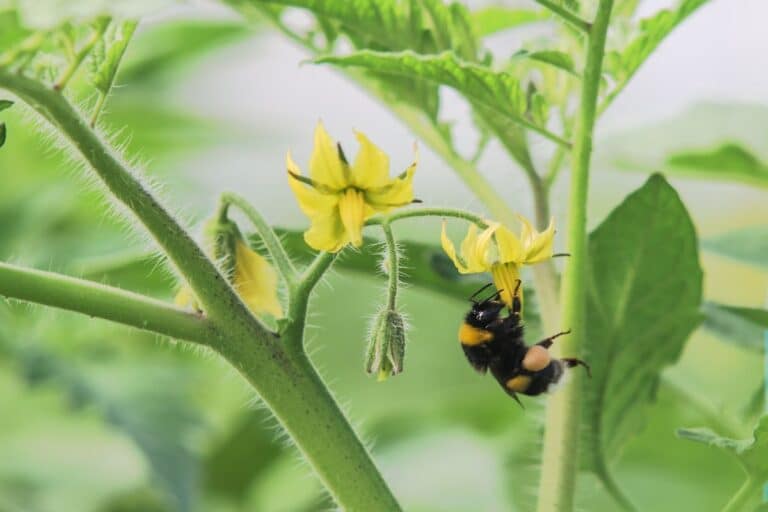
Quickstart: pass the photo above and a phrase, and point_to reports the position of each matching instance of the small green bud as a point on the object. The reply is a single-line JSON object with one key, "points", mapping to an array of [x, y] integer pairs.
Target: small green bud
{"points": [[386, 348], [220, 237]]}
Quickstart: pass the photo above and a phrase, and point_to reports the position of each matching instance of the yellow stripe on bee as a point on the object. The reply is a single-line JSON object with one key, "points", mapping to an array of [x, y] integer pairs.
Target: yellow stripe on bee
{"points": [[471, 336], [519, 383]]}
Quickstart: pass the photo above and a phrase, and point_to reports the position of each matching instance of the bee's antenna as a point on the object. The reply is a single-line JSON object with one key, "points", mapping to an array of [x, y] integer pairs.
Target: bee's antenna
{"points": [[478, 292]]}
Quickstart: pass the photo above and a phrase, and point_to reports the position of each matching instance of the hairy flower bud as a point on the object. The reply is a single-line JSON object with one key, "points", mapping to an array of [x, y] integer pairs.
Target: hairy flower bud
{"points": [[386, 347]]}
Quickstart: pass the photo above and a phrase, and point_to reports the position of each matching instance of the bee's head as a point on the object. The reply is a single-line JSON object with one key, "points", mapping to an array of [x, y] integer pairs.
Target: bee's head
{"points": [[485, 312]]}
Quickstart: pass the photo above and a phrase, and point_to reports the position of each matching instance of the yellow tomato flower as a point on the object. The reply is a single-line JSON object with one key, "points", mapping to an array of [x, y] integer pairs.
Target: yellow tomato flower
{"points": [[250, 273], [338, 197], [499, 251]]}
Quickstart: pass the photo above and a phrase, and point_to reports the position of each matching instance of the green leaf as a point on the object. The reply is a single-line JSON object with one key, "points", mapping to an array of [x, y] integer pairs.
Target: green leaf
{"points": [[752, 454], [744, 327], [729, 162], [645, 287], [4, 104], [492, 19], [497, 90], [3, 134], [652, 31], [104, 76], [554, 58], [730, 132], [748, 245], [384, 23]]}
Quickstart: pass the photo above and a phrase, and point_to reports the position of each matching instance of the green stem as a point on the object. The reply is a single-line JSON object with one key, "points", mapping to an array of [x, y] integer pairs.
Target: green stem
{"points": [[566, 15], [271, 241], [97, 300], [286, 382], [554, 167], [394, 266], [217, 297], [428, 212], [744, 495], [560, 454], [311, 416], [299, 295]]}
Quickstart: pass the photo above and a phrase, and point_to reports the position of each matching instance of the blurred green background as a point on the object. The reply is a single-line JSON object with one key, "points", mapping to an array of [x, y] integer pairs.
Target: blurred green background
{"points": [[98, 417]]}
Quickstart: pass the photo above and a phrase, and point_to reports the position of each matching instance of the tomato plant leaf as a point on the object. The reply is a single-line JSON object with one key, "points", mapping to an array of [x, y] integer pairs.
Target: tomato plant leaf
{"points": [[737, 325], [730, 162], [748, 245], [560, 60], [498, 90], [652, 31], [105, 69], [752, 454], [645, 286], [492, 19]]}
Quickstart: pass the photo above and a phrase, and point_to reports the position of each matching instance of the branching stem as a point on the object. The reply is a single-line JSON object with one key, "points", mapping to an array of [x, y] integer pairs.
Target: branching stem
{"points": [[97, 300], [566, 15]]}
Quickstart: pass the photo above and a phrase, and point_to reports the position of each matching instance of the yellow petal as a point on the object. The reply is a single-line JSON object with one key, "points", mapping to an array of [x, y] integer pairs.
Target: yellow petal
{"points": [[256, 281], [398, 192], [327, 233], [352, 212], [311, 201], [371, 167], [537, 246], [505, 277], [510, 247], [480, 254], [325, 165], [474, 251], [450, 250]]}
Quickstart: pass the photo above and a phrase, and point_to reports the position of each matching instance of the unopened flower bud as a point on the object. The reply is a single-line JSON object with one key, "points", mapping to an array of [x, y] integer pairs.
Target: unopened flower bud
{"points": [[386, 348]]}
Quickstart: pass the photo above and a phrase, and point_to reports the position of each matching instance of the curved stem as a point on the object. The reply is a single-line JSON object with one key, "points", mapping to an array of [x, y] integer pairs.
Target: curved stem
{"points": [[300, 293], [286, 382], [271, 241], [216, 296], [743, 496], [101, 301], [566, 15], [560, 455], [427, 212]]}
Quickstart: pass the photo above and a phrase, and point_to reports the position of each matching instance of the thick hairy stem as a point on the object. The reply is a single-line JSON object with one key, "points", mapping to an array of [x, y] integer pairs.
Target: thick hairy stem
{"points": [[217, 297], [285, 380], [560, 455], [312, 417], [98, 300]]}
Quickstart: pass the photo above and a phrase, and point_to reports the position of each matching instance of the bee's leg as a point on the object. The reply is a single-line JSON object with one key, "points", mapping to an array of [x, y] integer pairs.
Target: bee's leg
{"points": [[547, 342], [517, 305], [571, 362]]}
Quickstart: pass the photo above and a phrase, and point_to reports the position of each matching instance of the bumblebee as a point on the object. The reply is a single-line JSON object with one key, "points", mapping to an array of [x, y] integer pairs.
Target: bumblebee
{"points": [[491, 341]]}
